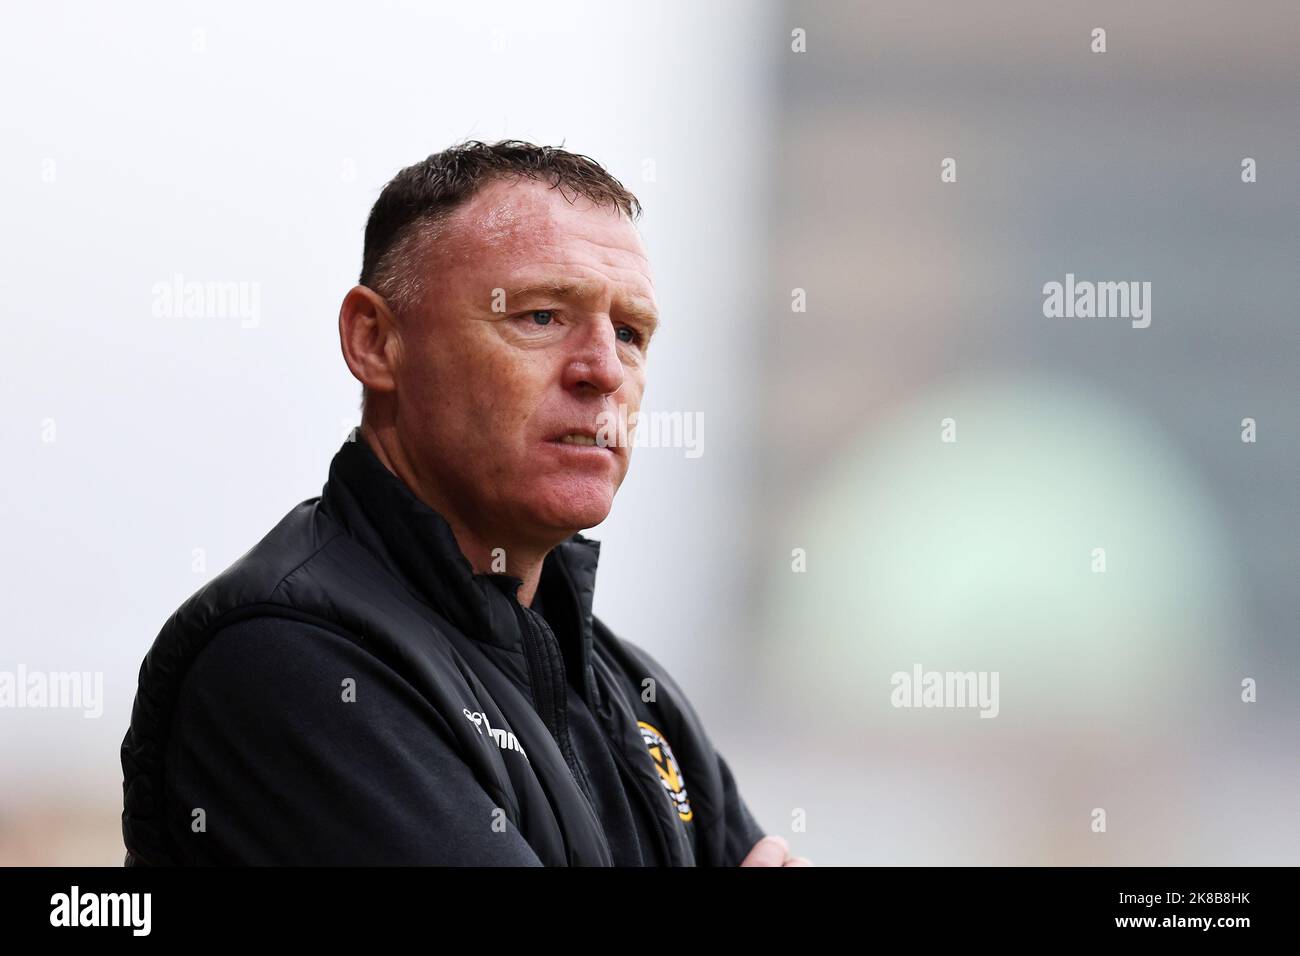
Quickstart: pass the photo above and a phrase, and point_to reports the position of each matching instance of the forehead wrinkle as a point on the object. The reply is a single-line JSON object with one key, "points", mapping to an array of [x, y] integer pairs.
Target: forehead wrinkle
{"points": [[516, 230], [629, 297]]}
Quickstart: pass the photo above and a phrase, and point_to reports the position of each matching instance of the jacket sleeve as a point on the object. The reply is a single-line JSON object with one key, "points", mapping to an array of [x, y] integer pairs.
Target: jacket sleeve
{"points": [[743, 831], [287, 772]]}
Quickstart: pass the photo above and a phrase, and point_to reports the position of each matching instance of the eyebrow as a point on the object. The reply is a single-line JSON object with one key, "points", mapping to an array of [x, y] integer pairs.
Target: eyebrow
{"points": [[637, 307]]}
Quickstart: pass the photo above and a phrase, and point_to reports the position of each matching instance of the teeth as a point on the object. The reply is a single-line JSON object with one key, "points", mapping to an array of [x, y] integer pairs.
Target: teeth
{"points": [[578, 440]]}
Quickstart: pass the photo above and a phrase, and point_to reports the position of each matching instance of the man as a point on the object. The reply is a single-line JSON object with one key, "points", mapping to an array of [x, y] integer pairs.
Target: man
{"points": [[406, 669]]}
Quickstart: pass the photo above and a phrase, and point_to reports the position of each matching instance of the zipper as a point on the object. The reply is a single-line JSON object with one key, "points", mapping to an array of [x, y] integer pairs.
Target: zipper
{"points": [[545, 707], [635, 780], [651, 803], [555, 702], [540, 670]]}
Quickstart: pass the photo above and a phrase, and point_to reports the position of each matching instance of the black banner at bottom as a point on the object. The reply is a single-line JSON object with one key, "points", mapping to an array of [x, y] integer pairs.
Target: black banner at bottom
{"points": [[337, 905]]}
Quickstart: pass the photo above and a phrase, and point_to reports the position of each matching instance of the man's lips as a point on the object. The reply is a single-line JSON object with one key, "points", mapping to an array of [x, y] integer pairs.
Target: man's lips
{"points": [[582, 438]]}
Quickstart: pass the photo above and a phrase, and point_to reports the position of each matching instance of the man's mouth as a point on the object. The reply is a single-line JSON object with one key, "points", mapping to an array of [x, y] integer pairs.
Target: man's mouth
{"points": [[586, 437]]}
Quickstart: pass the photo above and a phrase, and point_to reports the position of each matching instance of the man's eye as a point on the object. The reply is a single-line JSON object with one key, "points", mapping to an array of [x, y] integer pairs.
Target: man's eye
{"points": [[542, 316], [633, 336]]}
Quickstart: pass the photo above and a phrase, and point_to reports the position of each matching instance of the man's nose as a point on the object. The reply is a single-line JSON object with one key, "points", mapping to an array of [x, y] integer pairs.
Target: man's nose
{"points": [[595, 364]]}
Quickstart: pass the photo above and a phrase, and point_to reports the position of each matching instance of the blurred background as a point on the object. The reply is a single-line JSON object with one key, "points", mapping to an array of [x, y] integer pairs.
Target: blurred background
{"points": [[835, 314]]}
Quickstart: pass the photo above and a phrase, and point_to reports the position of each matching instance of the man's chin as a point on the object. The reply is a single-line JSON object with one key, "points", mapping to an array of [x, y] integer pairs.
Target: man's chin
{"points": [[574, 506]]}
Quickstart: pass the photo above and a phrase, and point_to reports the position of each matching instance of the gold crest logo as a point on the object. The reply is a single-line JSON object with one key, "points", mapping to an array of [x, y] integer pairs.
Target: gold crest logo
{"points": [[669, 772]]}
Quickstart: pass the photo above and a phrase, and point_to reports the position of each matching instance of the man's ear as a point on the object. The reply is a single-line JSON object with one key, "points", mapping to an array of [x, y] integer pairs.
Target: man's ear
{"points": [[369, 337]]}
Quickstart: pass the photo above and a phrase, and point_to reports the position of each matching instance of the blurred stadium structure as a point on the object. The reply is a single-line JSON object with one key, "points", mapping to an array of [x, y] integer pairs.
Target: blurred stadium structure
{"points": [[1119, 690]]}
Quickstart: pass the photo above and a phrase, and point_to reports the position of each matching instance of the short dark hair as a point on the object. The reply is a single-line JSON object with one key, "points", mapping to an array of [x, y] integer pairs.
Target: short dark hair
{"points": [[412, 209]]}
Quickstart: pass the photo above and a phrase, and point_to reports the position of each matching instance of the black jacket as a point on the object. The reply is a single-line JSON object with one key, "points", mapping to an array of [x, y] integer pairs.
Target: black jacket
{"points": [[350, 691]]}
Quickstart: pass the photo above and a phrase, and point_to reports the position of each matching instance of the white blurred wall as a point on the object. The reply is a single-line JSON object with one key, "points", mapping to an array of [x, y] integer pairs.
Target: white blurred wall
{"points": [[245, 142]]}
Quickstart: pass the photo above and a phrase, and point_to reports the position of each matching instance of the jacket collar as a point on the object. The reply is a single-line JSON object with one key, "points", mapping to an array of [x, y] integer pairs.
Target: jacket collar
{"points": [[417, 543]]}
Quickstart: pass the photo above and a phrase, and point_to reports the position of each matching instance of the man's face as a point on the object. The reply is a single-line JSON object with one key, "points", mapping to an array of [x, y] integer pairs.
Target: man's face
{"points": [[536, 321]]}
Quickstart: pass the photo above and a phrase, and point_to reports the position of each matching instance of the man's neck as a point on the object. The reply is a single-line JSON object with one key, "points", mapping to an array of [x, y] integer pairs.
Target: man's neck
{"points": [[485, 556]]}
